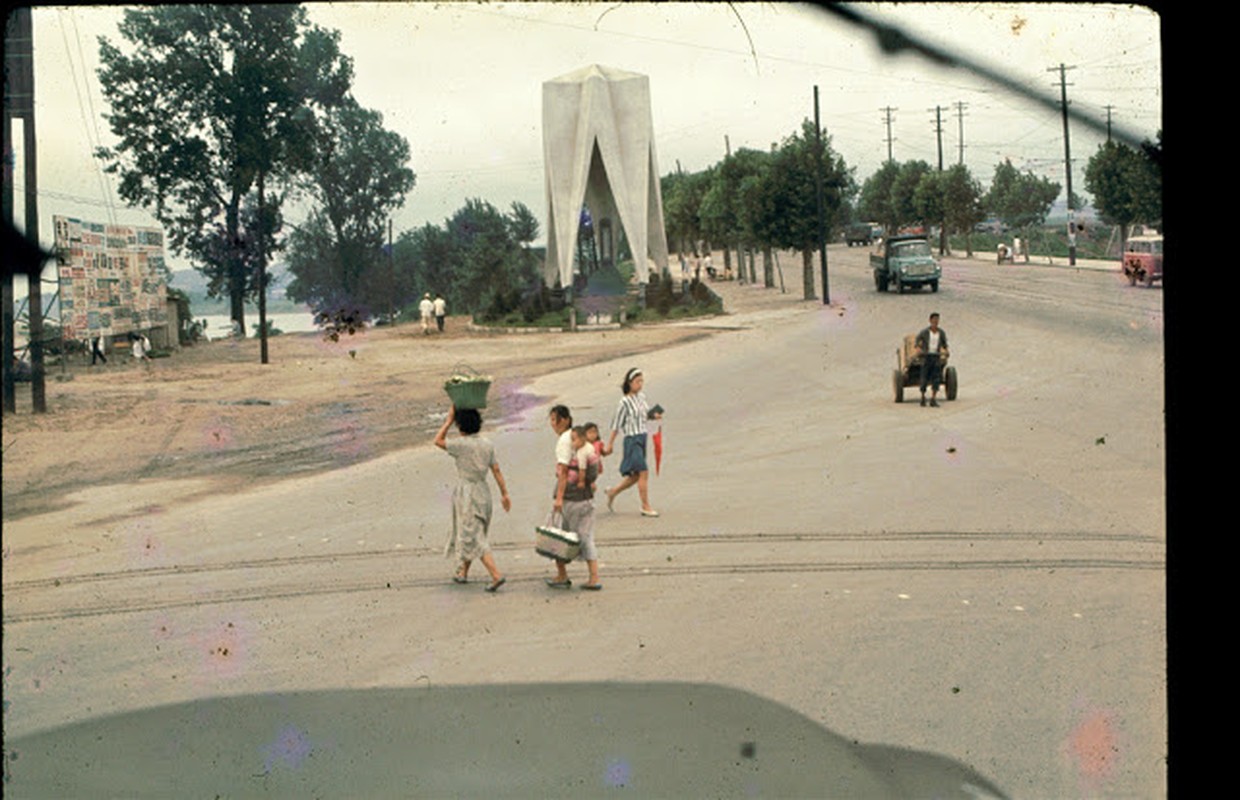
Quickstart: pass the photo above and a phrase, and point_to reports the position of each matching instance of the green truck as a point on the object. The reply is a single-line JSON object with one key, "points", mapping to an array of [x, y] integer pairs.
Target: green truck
{"points": [[906, 262]]}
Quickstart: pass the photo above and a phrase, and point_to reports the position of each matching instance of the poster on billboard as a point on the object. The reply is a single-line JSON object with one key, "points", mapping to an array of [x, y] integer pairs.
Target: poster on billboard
{"points": [[111, 278]]}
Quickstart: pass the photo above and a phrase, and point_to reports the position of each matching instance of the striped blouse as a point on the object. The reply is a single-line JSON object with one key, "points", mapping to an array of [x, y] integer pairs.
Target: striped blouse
{"points": [[631, 413]]}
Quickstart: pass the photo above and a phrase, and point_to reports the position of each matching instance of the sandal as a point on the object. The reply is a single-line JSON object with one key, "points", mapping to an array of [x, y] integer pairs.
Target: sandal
{"points": [[497, 584], [460, 577]]}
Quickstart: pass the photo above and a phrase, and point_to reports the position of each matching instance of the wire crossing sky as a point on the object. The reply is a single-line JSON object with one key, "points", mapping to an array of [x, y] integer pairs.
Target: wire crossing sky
{"points": [[462, 83]]}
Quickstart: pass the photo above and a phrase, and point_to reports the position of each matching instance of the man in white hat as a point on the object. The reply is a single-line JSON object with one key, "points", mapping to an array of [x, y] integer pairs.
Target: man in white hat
{"points": [[427, 307]]}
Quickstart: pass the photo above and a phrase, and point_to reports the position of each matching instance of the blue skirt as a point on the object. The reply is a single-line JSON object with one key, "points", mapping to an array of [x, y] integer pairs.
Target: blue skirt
{"points": [[634, 460]]}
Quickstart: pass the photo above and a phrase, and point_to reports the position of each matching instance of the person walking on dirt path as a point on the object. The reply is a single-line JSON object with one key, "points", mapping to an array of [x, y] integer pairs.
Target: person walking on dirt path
{"points": [[574, 504], [932, 347], [96, 350], [630, 421], [426, 308], [471, 499], [441, 311]]}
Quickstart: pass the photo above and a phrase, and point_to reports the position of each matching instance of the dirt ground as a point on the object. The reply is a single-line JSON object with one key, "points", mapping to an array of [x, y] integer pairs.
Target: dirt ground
{"points": [[212, 410]]}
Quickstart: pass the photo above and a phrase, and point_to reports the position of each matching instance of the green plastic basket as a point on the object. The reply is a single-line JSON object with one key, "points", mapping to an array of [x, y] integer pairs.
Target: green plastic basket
{"points": [[467, 388]]}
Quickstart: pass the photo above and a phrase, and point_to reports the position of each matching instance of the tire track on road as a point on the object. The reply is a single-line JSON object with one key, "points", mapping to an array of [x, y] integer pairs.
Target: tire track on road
{"points": [[142, 597]]}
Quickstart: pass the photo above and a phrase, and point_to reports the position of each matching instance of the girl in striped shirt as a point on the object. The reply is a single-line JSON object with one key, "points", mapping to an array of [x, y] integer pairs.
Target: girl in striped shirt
{"points": [[630, 421]]}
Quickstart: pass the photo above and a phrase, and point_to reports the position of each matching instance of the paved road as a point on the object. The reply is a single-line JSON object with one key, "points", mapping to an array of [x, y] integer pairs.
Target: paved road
{"points": [[983, 580]]}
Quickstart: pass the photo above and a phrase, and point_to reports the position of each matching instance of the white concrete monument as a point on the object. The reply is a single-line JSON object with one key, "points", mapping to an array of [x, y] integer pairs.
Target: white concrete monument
{"points": [[598, 146]]}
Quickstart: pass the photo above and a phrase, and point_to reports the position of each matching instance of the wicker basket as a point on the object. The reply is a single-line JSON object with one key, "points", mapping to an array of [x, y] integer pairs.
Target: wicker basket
{"points": [[467, 388]]}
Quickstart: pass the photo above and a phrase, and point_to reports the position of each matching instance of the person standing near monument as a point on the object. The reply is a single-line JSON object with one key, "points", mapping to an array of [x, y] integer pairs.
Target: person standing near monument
{"points": [[441, 311]]}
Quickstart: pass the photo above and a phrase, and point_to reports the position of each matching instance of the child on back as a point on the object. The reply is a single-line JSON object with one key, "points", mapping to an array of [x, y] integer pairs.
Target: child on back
{"points": [[584, 454], [592, 437]]}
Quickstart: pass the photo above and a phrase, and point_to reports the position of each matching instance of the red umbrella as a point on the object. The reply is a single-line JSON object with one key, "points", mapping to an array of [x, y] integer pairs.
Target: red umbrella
{"points": [[658, 449]]}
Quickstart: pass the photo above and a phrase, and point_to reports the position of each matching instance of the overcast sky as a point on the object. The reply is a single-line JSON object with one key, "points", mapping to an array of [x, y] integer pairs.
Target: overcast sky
{"points": [[462, 83]]}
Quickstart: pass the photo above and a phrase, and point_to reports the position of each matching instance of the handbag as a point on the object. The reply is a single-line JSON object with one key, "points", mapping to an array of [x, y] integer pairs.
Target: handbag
{"points": [[554, 542]]}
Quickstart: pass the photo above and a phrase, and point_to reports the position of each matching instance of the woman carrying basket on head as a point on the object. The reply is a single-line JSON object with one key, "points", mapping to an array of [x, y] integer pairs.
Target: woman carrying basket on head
{"points": [[630, 420], [471, 499]]}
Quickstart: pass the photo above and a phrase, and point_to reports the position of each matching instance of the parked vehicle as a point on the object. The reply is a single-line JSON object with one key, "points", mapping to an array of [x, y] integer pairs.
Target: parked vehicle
{"points": [[859, 233], [1143, 260], [905, 261]]}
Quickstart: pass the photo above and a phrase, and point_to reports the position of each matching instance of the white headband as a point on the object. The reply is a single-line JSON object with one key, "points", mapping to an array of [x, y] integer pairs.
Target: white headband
{"points": [[633, 373]]}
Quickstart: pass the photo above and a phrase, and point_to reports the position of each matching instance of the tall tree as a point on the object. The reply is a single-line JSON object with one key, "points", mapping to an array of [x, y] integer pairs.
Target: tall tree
{"points": [[962, 203], [793, 172], [1126, 186], [523, 227], [356, 174], [905, 205], [204, 105], [682, 202], [876, 194], [1021, 200]]}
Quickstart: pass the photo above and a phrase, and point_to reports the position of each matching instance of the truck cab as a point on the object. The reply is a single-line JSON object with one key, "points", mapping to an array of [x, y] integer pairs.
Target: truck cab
{"points": [[905, 261]]}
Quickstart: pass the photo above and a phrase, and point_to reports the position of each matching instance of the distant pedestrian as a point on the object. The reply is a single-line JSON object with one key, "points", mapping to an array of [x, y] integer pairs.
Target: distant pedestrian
{"points": [[141, 348], [441, 311], [471, 499], [630, 420], [427, 309], [96, 350], [932, 347]]}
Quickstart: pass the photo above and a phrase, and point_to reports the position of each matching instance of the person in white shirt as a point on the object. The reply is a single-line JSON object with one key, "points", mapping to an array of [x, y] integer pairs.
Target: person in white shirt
{"points": [[932, 346], [427, 308], [441, 311]]}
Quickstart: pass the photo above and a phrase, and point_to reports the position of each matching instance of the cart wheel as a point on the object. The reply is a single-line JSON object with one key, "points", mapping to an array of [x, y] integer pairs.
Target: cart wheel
{"points": [[899, 285], [897, 383], [951, 383]]}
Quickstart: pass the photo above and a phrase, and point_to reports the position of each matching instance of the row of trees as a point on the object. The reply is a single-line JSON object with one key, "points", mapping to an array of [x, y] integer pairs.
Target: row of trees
{"points": [[760, 201], [915, 194]]}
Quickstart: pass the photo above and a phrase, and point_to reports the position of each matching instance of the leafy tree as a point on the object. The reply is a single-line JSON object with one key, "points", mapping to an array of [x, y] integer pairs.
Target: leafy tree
{"points": [[1021, 200], [793, 176], [523, 228], [682, 201], [356, 175], [483, 274], [1126, 186], [876, 193], [962, 203], [204, 105], [905, 208]]}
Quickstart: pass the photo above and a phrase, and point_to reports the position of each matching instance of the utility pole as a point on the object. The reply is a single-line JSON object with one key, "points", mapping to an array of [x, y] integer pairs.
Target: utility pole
{"points": [[822, 220], [938, 133], [1109, 110], [887, 111], [19, 104], [960, 107], [1067, 157]]}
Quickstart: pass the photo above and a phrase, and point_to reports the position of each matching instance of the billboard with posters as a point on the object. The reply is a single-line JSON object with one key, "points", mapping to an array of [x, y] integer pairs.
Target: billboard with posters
{"points": [[111, 278]]}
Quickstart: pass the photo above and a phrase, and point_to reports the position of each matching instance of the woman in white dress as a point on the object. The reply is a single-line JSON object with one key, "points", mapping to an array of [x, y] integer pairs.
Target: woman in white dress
{"points": [[471, 499]]}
